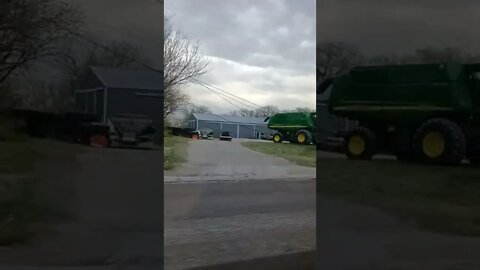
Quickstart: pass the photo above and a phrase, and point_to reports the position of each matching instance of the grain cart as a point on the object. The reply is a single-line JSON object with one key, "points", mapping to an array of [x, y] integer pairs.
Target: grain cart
{"points": [[131, 129], [426, 112], [298, 127]]}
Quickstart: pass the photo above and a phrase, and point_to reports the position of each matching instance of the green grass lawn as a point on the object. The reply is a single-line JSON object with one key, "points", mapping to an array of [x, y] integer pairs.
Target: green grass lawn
{"points": [[23, 193], [175, 151], [303, 155], [435, 198]]}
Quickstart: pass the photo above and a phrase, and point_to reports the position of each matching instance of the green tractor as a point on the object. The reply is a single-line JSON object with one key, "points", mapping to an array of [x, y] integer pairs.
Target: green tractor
{"points": [[297, 127], [428, 112]]}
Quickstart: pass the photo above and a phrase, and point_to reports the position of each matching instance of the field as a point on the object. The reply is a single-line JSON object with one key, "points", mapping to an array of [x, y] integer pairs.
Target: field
{"points": [[303, 155], [175, 151], [435, 198]]}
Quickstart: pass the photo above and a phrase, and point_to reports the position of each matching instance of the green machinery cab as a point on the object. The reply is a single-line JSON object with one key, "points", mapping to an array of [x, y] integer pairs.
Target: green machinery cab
{"points": [[296, 127]]}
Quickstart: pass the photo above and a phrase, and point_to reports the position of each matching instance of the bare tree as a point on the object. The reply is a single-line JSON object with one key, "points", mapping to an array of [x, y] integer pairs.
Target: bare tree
{"points": [[174, 98], [79, 54], [244, 112], [433, 55], [30, 30], [303, 109], [186, 114], [426, 55], [334, 58], [43, 96], [197, 109], [183, 64], [8, 96], [380, 59], [265, 111]]}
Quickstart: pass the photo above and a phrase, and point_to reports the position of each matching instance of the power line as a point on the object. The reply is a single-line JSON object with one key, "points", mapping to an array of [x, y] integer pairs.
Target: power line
{"points": [[220, 93], [226, 92], [224, 98]]}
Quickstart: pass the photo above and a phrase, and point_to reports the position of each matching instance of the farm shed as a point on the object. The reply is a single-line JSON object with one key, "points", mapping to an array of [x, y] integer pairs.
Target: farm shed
{"points": [[238, 126], [120, 92]]}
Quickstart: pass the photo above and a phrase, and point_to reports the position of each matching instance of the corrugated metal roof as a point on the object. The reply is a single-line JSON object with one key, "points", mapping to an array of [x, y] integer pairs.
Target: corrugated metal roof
{"points": [[129, 78], [229, 118]]}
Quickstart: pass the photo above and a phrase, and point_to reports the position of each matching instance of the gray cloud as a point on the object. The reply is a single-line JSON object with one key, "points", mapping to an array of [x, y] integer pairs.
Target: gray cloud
{"points": [[387, 26], [237, 30], [255, 47]]}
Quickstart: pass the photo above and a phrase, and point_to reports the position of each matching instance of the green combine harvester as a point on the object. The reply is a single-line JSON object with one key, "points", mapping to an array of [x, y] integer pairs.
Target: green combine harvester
{"points": [[428, 112], [298, 127]]}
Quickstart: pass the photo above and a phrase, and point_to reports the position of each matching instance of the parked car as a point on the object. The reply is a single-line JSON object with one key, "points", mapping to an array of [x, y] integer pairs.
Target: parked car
{"points": [[268, 137], [225, 136], [206, 134]]}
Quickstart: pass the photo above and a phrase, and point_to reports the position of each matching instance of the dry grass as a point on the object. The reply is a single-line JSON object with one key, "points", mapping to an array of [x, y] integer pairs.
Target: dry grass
{"points": [[303, 155], [174, 151]]}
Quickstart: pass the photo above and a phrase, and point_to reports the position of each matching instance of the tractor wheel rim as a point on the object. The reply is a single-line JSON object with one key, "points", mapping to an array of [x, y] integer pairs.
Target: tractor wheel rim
{"points": [[301, 138], [433, 144], [276, 138], [356, 145]]}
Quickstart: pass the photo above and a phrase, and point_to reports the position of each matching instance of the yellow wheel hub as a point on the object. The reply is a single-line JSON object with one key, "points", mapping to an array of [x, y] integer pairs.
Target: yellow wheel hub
{"points": [[277, 138], [301, 138], [433, 144], [356, 145]]}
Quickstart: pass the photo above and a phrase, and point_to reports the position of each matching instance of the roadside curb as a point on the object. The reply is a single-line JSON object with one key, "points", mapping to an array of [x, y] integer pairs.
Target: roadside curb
{"points": [[203, 179]]}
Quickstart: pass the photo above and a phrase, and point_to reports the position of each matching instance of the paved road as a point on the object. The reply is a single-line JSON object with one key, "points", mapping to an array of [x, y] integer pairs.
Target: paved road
{"points": [[222, 217], [356, 237], [222, 160], [214, 223]]}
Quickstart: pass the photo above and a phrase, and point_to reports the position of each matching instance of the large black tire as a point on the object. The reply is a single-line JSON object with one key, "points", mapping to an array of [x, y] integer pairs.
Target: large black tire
{"points": [[440, 141], [303, 137], [277, 137], [360, 143]]}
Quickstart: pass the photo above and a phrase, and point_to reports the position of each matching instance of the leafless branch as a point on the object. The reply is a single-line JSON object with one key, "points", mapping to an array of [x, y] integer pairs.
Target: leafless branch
{"points": [[30, 30], [183, 63]]}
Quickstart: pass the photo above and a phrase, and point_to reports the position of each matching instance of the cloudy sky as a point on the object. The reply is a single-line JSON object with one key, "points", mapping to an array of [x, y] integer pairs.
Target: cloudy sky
{"points": [[263, 51], [138, 22], [391, 26]]}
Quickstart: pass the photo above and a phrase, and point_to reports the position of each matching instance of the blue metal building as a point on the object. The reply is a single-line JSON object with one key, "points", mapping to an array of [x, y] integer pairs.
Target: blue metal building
{"points": [[238, 126]]}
